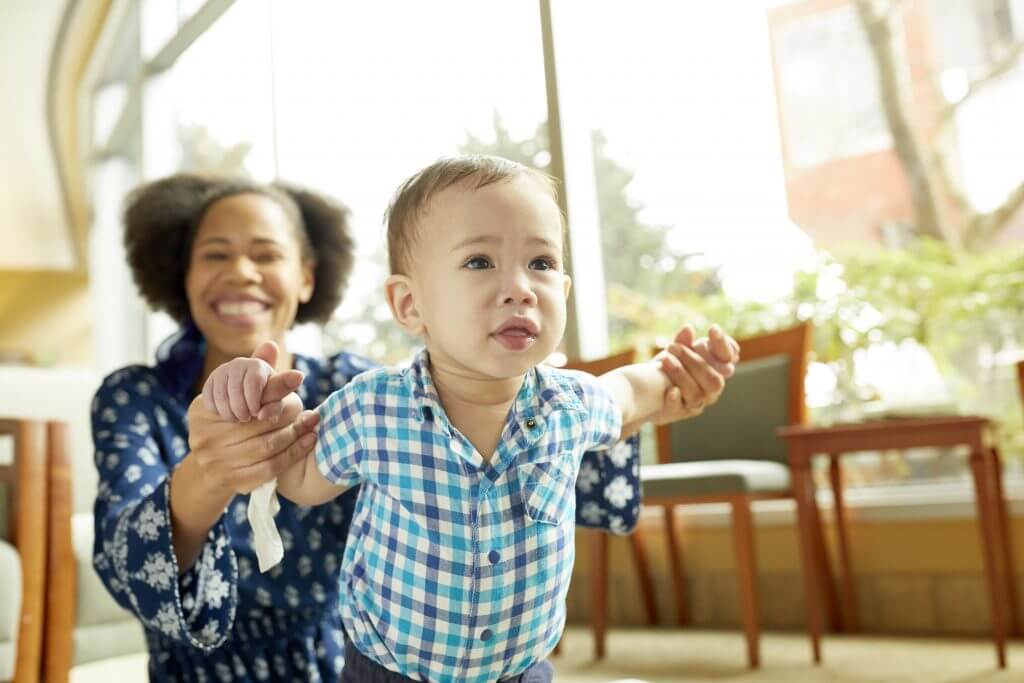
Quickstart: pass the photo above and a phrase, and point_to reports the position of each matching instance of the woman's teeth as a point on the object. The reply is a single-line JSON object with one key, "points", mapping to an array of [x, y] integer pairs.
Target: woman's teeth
{"points": [[240, 308]]}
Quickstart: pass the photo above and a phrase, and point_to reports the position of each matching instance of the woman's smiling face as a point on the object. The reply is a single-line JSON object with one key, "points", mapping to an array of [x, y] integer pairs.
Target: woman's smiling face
{"points": [[247, 273]]}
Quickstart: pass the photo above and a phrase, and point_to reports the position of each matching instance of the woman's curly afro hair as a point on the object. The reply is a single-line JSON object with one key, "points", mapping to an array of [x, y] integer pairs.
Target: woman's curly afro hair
{"points": [[161, 219]]}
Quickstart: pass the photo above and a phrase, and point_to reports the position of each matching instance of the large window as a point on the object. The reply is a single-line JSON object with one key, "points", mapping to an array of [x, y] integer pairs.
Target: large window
{"points": [[719, 160], [364, 96]]}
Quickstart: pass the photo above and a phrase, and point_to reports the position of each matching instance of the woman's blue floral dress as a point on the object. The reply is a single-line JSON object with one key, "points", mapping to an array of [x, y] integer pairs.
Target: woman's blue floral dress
{"points": [[222, 620]]}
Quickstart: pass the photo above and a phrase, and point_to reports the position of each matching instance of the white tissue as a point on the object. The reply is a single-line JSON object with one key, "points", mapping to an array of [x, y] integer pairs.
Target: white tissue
{"points": [[263, 505]]}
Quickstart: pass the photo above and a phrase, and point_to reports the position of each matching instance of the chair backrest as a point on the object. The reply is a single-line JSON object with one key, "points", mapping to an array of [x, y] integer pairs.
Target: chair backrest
{"points": [[1020, 381], [23, 520], [599, 366], [765, 393]]}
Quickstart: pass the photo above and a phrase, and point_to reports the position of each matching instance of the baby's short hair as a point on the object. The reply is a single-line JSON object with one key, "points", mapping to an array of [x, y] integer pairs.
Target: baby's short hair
{"points": [[412, 199]]}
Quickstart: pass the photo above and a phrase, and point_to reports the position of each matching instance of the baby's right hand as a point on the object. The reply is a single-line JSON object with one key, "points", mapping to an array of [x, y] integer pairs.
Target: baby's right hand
{"points": [[246, 388]]}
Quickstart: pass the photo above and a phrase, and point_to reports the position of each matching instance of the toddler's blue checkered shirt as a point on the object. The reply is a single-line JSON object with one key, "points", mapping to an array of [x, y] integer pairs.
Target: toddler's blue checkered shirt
{"points": [[457, 570]]}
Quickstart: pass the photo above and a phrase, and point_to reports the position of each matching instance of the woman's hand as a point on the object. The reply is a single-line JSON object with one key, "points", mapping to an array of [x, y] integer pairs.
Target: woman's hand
{"points": [[232, 457], [698, 369]]}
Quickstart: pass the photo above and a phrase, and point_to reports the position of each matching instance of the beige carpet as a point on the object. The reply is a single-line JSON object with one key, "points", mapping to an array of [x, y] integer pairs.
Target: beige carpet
{"points": [[678, 656]]}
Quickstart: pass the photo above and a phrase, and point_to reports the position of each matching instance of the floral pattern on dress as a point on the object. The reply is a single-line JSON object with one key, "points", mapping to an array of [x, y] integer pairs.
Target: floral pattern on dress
{"points": [[221, 620]]}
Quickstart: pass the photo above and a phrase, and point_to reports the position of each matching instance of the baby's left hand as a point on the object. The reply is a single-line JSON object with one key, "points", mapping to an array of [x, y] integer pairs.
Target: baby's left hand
{"points": [[698, 370]]}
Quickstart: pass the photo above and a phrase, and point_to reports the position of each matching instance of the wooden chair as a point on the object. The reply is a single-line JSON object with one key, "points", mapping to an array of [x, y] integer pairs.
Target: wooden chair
{"points": [[731, 454], [23, 514], [598, 540], [1020, 380]]}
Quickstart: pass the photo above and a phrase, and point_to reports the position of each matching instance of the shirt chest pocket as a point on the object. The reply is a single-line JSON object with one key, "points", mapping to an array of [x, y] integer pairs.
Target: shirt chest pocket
{"points": [[547, 490]]}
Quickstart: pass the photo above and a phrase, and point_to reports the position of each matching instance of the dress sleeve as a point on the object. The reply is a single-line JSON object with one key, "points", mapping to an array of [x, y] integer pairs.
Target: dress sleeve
{"points": [[608, 485], [608, 491], [133, 552]]}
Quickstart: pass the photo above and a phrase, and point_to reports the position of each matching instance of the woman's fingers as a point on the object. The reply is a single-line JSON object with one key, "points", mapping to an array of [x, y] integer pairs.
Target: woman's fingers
{"points": [[271, 411], [685, 336], [711, 382], [251, 476], [280, 384], [280, 439], [689, 390], [723, 347]]}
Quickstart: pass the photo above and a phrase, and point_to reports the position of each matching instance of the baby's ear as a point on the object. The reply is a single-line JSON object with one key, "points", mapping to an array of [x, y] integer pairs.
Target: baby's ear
{"points": [[398, 291]]}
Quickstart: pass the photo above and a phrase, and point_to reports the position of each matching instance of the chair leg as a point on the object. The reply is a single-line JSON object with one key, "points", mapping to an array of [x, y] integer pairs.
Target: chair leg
{"points": [[675, 563], [984, 498], [846, 618], [643, 572], [826, 581], [746, 574], [803, 491], [599, 591]]}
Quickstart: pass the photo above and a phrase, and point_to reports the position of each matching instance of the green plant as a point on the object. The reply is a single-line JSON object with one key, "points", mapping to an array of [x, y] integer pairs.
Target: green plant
{"points": [[964, 308]]}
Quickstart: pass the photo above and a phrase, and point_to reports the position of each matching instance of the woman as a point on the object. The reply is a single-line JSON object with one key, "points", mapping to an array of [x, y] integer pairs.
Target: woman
{"points": [[237, 263]]}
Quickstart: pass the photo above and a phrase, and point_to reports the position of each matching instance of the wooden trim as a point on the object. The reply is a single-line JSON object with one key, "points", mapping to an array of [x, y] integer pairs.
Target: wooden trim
{"points": [[651, 501], [28, 524], [1020, 380], [600, 366], [62, 569]]}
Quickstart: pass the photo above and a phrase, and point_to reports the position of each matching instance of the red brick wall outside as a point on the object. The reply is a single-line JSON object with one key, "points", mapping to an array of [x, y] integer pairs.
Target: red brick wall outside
{"points": [[847, 200]]}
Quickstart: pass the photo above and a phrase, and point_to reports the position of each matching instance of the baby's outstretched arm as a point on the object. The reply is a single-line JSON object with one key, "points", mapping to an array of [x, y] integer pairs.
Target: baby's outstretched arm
{"points": [[640, 390], [303, 483]]}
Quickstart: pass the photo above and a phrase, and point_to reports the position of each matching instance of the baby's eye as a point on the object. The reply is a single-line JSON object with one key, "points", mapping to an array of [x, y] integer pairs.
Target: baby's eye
{"points": [[478, 263], [544, 263]]}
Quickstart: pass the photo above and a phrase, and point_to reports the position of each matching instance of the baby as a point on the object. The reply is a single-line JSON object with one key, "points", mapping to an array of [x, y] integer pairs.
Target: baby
{"points": [[461, 546]]}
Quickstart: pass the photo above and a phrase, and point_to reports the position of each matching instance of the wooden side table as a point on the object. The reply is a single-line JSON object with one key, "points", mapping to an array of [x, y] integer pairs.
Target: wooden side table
{"points": [[986, 471]]}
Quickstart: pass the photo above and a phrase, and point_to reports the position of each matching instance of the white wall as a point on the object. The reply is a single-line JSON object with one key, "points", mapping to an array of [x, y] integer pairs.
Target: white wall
{"points": [[34, 233]]}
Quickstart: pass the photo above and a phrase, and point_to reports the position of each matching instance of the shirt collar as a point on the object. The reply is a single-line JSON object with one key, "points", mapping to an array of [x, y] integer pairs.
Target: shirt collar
{"points": [[544, 390]]}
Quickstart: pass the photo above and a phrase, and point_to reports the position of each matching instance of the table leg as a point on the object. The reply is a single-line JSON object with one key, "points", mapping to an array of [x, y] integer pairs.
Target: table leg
{"points": [[842, 531], [984, 495], [1005, 540], [803, 491]]}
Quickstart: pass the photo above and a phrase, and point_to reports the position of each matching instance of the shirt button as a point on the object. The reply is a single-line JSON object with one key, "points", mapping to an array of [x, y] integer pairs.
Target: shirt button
{"points": [[486, 635], [531, 423], [494, 556]]}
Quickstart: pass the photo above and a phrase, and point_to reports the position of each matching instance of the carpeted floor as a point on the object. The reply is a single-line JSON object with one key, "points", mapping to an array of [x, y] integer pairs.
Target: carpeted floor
{"points": [[689, 656], [685, 656]]}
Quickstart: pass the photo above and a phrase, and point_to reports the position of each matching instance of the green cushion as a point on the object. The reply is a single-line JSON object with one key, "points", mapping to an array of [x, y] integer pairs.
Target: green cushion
{"points": [[714, 478], [741, 426], [10, 607]]}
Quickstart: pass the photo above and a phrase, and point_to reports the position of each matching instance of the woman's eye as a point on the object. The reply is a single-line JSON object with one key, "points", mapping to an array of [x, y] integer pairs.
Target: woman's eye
{"points": [[214, 256], [477, 263], [544, 263], [268, 257]]}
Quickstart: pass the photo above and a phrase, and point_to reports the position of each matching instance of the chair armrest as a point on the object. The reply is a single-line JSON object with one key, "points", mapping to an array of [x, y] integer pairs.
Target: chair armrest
{"points": [[29, 513], [62, 571]]}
